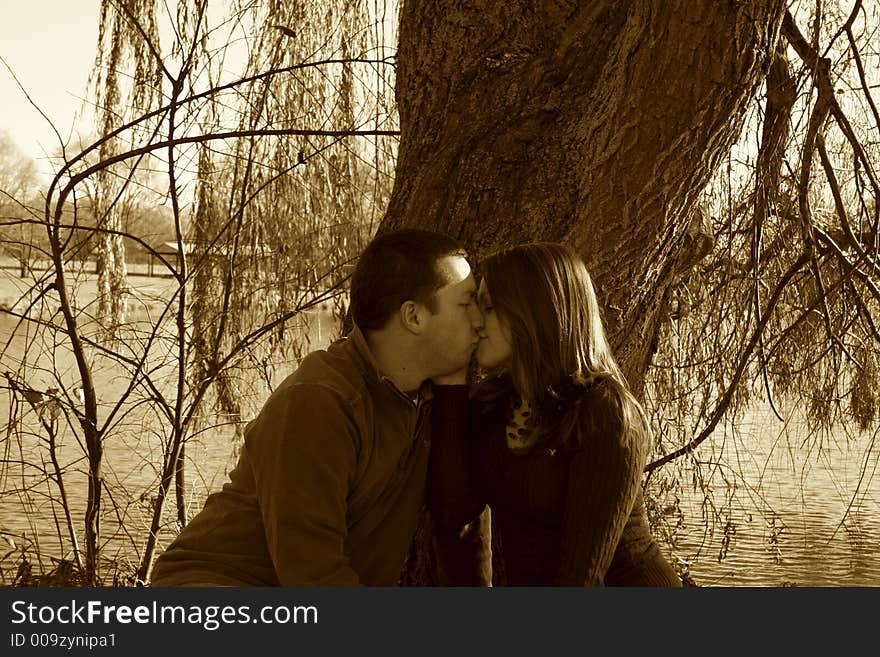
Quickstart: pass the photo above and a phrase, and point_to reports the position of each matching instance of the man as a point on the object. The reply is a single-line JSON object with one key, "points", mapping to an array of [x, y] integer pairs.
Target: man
{"points": [[331, 478]]}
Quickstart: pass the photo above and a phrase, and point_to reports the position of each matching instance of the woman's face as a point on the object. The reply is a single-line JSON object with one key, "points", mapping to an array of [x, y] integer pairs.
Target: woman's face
{"points": [[494, 348]]}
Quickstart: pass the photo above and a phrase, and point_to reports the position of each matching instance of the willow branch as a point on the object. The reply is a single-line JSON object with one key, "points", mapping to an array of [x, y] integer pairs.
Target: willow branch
{"points": [[189, 99], [724, 403]]}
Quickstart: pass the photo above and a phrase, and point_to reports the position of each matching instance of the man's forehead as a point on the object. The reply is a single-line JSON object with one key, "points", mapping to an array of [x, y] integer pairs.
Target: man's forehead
{"points": [[455, 270]]}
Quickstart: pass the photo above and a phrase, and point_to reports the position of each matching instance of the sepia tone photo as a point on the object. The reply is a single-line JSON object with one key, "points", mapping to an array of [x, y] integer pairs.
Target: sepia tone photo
{"points": [[396, 293]]}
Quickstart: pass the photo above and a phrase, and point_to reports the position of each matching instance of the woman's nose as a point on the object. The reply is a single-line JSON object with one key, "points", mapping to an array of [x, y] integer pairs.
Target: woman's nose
{"points": [[476, 317]]}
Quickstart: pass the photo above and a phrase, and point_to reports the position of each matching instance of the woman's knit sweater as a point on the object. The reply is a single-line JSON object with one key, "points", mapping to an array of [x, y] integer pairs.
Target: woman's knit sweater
{"points": [[565, 517]]}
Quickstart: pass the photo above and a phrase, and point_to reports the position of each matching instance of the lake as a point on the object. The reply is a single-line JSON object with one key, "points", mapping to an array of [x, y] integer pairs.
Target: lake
{"points": [[133, 450], [785, 513], [803, 515]]}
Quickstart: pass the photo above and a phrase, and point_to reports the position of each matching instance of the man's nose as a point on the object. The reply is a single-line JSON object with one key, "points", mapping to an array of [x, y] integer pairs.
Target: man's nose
{"points": [[476, 317]]}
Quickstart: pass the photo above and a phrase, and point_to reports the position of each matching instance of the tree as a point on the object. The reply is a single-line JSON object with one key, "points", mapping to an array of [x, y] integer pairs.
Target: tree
{"points": [[597, 126], [18, 180], [603, 125], [127, 38]]}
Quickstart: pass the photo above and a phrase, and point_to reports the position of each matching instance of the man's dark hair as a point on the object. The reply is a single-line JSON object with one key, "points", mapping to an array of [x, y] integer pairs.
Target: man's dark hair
{"points": [[395, 267]]}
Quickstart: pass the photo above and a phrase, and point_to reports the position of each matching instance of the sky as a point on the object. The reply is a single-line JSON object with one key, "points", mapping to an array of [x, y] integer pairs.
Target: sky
{"points": [[50, 46]]}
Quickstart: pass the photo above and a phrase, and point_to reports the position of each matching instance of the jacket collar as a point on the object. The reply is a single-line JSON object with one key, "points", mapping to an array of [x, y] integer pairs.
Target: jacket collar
{"points": [[359, 342]]}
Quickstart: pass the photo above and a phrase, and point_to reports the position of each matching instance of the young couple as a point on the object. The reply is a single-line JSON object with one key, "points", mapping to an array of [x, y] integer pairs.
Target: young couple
{"points": [[337, 466]]}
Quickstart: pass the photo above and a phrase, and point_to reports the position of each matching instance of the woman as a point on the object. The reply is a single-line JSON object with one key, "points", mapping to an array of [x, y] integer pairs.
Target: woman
{"points": [[554, 442]]}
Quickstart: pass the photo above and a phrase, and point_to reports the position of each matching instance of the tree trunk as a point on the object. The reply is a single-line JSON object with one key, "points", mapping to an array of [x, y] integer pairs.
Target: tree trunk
{"points": [[92, 519], [595, 124], [112, 278]]}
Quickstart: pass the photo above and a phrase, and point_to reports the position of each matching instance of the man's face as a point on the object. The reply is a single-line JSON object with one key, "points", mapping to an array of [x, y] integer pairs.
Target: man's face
{"points": [[451, 333]]}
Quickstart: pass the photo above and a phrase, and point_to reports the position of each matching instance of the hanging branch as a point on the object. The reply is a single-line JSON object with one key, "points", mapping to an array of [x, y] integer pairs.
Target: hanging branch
{"points": [[745, 356]]}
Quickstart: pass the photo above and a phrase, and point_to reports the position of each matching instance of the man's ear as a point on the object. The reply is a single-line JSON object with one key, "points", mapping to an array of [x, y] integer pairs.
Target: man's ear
{"points": [[412, 316]]}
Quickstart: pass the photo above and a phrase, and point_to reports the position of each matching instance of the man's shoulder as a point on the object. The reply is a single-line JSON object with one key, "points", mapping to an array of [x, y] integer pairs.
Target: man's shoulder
{"points": [[325, 384], [335, 370]]}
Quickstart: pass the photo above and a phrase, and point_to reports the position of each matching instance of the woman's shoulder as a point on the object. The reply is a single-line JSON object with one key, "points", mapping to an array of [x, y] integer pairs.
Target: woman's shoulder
{"points": [[606, 408], [604, 396]]}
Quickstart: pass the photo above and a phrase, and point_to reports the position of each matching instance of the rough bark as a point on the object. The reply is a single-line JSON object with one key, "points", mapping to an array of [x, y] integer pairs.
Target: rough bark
{"points": [[596, 124]]}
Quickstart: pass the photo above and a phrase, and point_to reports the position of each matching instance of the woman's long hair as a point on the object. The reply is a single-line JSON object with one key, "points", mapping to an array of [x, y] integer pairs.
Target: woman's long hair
{"points": [[560, 354]]}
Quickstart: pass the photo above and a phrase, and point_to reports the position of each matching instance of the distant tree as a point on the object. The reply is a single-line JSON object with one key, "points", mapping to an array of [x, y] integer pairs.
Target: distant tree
{"points": [[126, 84], [18, 184]]}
